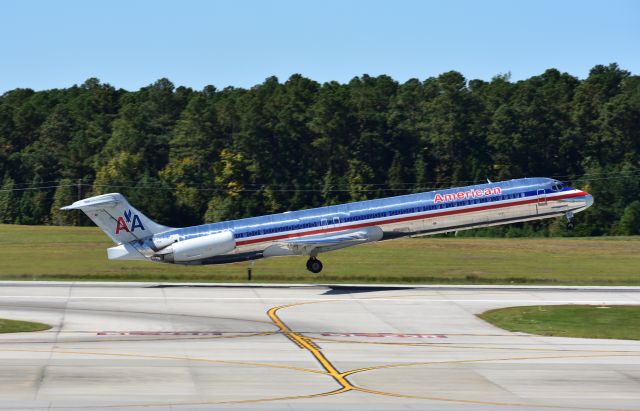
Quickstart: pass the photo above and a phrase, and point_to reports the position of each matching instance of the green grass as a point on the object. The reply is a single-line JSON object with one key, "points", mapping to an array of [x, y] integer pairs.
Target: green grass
{"points": [[584, 321], [12, 326], [79, 253]]}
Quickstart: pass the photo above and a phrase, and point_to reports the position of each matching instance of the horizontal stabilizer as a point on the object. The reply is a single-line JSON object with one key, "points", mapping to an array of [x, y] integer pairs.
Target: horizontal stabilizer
{"points": [[124, 252], [97, 202]]}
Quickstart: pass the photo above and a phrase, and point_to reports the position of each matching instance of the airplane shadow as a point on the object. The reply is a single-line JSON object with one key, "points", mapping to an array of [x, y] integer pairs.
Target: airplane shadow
{"points": [[332, 289], [349, 289]]}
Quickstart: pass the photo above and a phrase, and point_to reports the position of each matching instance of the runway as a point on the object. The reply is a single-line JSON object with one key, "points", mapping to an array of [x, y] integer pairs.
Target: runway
{"points": [[203, 346]]}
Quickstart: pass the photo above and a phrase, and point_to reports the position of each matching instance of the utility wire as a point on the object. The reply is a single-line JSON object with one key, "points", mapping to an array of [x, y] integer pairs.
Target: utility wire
{"points": [[280, 188], [295, 187]]}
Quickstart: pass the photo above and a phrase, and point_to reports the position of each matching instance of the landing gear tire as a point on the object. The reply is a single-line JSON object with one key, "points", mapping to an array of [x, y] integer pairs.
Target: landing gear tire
{"points": [[314, 265], [569, 225]]}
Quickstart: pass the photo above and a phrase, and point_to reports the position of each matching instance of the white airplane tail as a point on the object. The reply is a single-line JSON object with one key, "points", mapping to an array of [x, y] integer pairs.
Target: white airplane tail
{"points": [[117, 218]]}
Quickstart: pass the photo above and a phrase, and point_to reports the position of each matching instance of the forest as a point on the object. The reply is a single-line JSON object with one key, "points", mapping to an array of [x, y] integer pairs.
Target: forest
{"points": [[185, 156]]}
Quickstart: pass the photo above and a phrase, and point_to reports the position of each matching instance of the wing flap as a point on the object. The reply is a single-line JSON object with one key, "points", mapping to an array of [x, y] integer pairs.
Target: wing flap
{"points": [[328, 242], [336, 239]]}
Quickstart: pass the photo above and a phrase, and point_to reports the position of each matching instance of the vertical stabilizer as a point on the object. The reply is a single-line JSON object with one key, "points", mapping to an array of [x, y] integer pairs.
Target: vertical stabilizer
{"points": [[117, 218]]}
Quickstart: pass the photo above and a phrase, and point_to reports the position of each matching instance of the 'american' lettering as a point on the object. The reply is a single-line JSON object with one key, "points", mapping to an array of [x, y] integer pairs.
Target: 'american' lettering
{"points": [[462, 195]]}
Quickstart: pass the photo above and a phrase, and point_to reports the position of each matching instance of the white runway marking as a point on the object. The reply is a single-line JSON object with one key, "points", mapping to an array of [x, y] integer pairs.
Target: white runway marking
{"points": [[369, 299]]}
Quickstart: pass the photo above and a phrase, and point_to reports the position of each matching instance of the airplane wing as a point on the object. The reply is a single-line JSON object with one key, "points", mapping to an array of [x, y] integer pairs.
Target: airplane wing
{"points": [[333, 241]]}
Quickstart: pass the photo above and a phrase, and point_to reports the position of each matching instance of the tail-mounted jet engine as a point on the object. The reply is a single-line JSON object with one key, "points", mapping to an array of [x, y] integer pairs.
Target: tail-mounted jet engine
{"points": [[197, 248], [171, 250]]}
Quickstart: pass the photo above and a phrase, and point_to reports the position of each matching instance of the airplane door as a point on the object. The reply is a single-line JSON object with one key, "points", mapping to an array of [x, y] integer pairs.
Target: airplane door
{"points": [[542, 201]]}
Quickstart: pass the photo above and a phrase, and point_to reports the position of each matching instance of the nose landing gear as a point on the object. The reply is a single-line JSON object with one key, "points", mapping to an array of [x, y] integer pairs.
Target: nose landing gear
{"points": [[314, 265], [569, 225]]}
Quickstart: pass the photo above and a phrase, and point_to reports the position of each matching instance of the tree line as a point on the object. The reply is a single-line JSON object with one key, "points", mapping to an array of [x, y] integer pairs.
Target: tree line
{"points": [[185, 156]]}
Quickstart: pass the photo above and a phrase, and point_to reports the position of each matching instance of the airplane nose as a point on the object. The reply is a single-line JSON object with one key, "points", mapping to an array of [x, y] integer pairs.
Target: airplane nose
{"points": [[588, 200]]}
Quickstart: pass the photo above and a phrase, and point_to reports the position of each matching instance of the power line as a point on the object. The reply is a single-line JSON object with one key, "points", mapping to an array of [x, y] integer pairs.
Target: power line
{"points": [[297, 187], [254, 187]]}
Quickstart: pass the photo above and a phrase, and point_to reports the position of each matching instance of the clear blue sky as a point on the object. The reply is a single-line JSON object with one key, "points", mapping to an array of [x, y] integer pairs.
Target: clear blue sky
{"points": [[130, 44]]}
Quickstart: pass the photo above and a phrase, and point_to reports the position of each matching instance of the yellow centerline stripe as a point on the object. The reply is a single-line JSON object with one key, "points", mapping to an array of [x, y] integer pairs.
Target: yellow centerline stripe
{"points": [[413, 364], [191, 403], [166, 357], [305, 343], [340, 377], [478, 346]]}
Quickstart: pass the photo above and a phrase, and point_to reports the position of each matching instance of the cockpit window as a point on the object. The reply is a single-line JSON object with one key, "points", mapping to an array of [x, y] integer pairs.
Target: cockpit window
{"points": [[557, 187]]}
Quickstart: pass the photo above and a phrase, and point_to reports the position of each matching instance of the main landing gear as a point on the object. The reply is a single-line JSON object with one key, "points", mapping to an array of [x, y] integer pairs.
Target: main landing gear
{"points": [[569, 225], [314, 265]]}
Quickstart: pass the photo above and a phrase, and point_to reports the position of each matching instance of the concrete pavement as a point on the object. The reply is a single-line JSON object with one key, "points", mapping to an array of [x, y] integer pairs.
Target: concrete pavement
{"points": [[162, 346]]}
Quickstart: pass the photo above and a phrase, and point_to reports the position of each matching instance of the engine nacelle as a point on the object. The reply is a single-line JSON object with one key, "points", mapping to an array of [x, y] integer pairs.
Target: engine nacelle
{"points": [[198, 248]]}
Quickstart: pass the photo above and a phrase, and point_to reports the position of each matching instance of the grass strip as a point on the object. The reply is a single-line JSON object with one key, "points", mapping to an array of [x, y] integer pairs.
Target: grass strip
{"points": [[13, 326], [583, 321], [79, 254]]}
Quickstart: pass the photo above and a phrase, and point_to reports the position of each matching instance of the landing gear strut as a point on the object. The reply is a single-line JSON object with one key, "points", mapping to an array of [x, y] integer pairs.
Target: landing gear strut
{"points": [[569, 225], [314, 265]]}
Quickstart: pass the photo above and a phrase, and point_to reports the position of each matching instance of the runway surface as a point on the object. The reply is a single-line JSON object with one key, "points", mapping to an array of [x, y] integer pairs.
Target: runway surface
{"points": [[155, 346]]}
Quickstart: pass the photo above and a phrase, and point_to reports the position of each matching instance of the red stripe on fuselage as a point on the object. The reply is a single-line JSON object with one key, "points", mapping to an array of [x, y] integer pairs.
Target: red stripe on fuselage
{"points": [[423, 216]]}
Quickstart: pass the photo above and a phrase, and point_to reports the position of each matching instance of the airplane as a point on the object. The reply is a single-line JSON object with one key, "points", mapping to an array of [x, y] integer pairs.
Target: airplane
{"points": [[318, 230]]}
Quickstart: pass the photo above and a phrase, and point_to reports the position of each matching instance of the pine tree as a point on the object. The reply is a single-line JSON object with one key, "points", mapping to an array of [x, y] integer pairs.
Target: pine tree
{"points": [[65, 195], [7, 201], [396, 175], [630, 222], [33, 207]]}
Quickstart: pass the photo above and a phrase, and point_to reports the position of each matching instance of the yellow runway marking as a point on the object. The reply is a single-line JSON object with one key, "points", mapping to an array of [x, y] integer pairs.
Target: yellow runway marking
{"points": [[190, 403], [306, 344], [484, 346], [341, 377], [146, 405], [165, 357], [413, 364]]}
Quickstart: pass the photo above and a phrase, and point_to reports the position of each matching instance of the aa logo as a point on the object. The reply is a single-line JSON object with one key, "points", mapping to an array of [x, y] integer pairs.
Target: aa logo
{"points": [[126, 223]]}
